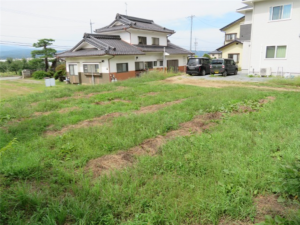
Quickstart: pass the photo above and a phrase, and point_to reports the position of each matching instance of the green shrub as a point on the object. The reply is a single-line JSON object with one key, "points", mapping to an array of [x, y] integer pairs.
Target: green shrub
{"points": [[49, 74], [39, 74], [59, 74], [61, 67]]}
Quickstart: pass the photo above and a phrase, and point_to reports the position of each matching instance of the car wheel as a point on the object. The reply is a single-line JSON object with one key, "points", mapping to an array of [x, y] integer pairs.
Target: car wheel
{"points": [[225, 73], [235, 72], [203, 73]]}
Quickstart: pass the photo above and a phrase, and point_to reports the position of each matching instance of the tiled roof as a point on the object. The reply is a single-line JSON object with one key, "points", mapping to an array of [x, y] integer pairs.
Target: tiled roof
{"points": [[104, 45], [135, 23], [235, 41], [170, 48], [232, 23]]}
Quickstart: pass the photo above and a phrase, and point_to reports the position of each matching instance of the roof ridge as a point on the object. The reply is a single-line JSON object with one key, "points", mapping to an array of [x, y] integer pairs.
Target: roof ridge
{"points": [[107, 46]]}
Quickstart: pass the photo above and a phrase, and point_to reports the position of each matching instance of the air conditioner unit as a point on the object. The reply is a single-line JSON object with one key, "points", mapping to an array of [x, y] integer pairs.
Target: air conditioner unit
{"points": [[265, 72]]}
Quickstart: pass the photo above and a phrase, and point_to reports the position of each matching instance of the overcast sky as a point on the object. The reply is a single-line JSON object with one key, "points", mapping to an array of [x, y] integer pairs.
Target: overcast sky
{"points": [[25, 21]]}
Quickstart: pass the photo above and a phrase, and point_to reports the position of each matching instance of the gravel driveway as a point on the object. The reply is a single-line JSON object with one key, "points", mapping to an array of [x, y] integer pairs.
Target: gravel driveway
{"points": [[242, 77]]}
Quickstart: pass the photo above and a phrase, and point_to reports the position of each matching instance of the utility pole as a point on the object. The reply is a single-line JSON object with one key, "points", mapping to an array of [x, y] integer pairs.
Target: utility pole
{"points": [[126, 8], [91, 24], [196, 44], [192, 16]]}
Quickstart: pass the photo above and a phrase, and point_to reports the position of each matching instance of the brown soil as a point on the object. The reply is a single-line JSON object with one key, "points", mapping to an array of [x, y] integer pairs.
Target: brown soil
{"points": [[109, 102], [64, 110], [265, 205], [105, 164], [220, 84], [106, 118]]}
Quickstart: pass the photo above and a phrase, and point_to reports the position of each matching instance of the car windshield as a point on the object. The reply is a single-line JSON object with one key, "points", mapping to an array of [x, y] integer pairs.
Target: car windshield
{"points": [[217, 62], [193, 62]]}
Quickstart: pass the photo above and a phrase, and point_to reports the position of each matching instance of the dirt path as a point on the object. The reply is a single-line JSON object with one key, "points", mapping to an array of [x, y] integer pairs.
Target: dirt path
{"points": [[108, 163], [105, 164], [218, 84], [106, 118]]}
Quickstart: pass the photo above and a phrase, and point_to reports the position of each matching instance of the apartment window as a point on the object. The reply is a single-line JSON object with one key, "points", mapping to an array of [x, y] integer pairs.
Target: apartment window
{"points": [[276, 52], [155, 63], [73, 70], [235, 57], [91, 68], [155, 41], [142, 40], [139, 66], [281, 12], [230, 37], [122, 67], [161, 63]]}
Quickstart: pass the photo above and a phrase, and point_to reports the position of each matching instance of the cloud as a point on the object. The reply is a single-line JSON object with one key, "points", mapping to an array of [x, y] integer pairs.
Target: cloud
{"points": [[67, 20]]}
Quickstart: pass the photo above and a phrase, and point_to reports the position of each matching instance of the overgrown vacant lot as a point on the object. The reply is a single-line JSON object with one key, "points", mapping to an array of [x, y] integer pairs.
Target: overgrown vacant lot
{"points": [[145, 152]]}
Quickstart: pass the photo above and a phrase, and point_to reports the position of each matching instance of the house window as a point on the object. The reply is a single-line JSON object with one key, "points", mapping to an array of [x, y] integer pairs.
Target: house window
{"points": [[148, 65], [230, 37], [235, 57], [122, 67], [73, 70], [276, 52], [155, 41], [139, 66], [155, 63], [142, 40], [280, 12], [161, 63], [91, 68]]}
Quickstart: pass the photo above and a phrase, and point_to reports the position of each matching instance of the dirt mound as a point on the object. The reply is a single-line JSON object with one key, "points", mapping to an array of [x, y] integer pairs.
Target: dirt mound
{"points": [[105, 164], [106, 118]]}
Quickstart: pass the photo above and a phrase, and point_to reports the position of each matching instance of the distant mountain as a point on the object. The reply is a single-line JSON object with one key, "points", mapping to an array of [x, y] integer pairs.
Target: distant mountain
{"points": [[16, 52], [200, 53]]}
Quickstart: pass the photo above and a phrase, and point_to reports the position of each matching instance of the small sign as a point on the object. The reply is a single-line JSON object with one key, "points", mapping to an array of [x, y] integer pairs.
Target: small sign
{"points": [[50, 82]]}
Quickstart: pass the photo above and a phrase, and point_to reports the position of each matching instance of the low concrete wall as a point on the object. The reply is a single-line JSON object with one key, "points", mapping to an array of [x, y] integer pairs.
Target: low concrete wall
{"points": [[26, 74]]}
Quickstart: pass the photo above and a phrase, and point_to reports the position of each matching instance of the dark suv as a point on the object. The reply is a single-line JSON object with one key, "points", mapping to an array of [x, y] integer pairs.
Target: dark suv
{"points": [[198, 66], [223, 66]]}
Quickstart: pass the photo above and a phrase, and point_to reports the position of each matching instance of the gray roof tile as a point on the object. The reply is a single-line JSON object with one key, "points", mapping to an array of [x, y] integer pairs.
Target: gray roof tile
{"points": [[135, 23], [104, 45]]}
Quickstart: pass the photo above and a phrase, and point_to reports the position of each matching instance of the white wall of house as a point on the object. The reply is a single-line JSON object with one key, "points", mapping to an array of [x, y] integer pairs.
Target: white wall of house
{"points": [[103, 66], [149, 35], [275, 33], [248, 17], [134, 34], [246, 56]]}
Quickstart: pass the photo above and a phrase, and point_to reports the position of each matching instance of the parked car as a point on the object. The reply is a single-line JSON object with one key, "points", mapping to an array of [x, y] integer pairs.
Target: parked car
{"points": [[223, 66], [198, 66]]}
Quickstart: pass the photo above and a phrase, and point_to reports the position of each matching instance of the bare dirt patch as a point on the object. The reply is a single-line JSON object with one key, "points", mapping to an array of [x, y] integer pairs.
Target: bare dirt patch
{"points": [[106, 118], [109, 102], [105, 164], [220, 84], [64, 110], [150, 94]]}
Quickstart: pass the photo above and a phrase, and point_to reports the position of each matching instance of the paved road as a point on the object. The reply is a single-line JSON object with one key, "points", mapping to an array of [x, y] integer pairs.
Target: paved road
{"points": [[10, 78], [242, 77]]}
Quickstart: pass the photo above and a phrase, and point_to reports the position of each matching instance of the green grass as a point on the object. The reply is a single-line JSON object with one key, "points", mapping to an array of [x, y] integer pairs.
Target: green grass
{"points": [[20, 87], [294, 82], [8, 74], [193, 180]]}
